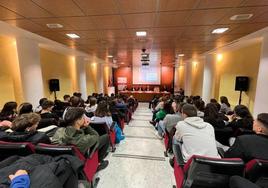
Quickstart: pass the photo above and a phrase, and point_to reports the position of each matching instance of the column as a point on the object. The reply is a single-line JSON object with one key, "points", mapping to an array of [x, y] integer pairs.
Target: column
{"points": [[30, 70], [261, 99], [209, 75], [81, 76], [188, 78]]}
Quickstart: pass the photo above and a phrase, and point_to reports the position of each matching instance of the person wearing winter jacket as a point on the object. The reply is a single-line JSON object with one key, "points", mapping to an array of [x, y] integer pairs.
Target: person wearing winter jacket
{"points": [[195, 136]]}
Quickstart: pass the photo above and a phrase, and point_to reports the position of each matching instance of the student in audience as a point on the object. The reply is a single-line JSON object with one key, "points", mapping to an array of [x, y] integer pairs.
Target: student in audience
{"points": [[225, 105], [241, 118], [47, 117], [24, 130], [255, 146], [213, 117], [195, 136], [79, 133], [39, 108], [25, 108], [76, 101], [200, 105], [9, 111], [102, 114], [92, 106], [66, 98]]}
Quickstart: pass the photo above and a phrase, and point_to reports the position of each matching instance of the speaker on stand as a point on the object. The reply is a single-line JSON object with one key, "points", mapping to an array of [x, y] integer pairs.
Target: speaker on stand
{"points": [[241, 84], [54, 86]]}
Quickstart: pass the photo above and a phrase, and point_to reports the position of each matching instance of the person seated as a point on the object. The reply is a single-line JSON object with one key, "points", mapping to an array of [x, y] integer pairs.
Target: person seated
{"points": [[39, 107], [47, 117], [79, 133], [213, 117], [92, 106], [249, 147], [225, 105], [66, 99], [195, 136], [24, 130], [25, 108], [241, 118], [9, 111], [59, 108], [102, 114]]}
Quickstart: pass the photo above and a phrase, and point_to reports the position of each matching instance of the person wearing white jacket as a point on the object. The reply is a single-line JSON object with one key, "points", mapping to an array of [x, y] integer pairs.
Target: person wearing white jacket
{"points": [[195, 136]]}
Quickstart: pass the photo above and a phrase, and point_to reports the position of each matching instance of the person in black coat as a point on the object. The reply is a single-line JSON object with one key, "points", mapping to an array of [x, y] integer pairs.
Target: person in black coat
{"points": [[47, 116], [248, 147], [24, 130]]}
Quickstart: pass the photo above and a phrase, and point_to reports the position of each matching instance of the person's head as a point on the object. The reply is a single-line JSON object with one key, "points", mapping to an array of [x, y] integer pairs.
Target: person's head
{"points": [[66, 98], [102, 109], [9, 108], [75, 116], [260, 125], [75, 101], [47, 105], [25, 108], [242, 112], [41, 101], [213, 101], [26, 122], [92, 101], [189, 110], [199, 104], [224, 100], [211, 110], [168, 107]]}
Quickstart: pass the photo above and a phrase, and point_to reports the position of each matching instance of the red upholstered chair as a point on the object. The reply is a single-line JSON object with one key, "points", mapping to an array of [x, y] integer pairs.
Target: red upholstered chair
{"points": [[168, 140], [257, 171], [8, 149], [102, 129], [205, 172], [90, 160]]}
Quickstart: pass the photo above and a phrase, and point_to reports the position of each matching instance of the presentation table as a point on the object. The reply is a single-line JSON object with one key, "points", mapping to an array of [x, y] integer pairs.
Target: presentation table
{"points": [[144, 96]]}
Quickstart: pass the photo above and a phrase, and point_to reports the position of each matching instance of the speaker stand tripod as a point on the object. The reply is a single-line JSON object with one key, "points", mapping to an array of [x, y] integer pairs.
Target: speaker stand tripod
{"points": [[55, 95], [240, 97]]}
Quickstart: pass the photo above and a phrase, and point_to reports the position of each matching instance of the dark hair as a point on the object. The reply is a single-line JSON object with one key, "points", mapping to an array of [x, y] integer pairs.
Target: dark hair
{"points": [[213, 101], [242, 111], [189, 110], [102, 109], [42, 100], [168, 107], [9, 108], [25, 108], [92, 101], [199, 104], [22, 122], [224, 100], [263, 118], [211, 111], [73, 114], [47, 104], [76, 101], [66, 97]]}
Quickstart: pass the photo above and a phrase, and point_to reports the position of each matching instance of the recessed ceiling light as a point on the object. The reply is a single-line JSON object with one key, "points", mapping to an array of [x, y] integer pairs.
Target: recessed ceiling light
{"points": [[122, 63], [141, 33], [239, 17], [73, 36], [110, 56], [54, 25], [220, 30], [180, 55]]}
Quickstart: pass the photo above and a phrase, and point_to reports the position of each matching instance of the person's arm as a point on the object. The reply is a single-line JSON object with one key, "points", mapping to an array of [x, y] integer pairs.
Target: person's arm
{"points": [[235, 151], [91, 131], [20, 179]]}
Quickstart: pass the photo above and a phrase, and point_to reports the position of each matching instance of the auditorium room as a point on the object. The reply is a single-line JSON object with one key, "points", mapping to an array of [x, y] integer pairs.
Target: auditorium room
{"points": [[134, 93]]}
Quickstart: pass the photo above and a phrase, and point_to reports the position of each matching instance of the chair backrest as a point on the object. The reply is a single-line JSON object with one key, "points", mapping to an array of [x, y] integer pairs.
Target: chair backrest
{"points": [[212, 172], [257, 170], [101, 128], [8, 149]]}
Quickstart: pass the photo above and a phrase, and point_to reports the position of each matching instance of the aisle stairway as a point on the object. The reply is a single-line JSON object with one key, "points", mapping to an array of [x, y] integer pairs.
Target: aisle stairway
{"points": [[138, 161]]}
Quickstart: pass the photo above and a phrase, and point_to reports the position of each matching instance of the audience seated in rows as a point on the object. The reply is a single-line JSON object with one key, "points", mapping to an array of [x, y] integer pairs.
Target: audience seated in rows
{"points": [[24, 130], [25, 108], [213, 116]]}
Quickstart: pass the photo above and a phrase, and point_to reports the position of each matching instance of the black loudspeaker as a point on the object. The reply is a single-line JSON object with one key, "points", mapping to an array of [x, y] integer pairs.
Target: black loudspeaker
{"points": [[241, 83], [54, 85]]}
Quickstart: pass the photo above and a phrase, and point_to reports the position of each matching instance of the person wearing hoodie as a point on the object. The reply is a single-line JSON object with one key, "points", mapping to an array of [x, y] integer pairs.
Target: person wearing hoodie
{"points": [[195, 136], [79, 133]]}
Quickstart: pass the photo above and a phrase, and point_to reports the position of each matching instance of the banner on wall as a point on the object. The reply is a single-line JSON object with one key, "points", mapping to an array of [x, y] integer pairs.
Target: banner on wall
{"points": [[121, 83]]}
